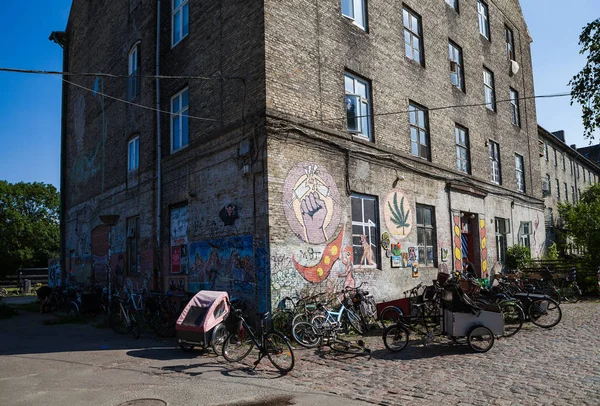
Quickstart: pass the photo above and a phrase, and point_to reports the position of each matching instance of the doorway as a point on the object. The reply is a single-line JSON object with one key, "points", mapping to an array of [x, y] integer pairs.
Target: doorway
{"points": [[470, 242]]}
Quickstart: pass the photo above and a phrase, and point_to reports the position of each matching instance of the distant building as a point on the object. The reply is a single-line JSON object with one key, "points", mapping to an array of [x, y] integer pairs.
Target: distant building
{"points": [[566, 173], [301, 146], [592, 153]]}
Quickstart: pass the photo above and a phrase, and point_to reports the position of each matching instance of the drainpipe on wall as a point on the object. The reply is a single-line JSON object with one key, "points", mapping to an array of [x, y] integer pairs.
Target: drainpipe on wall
{"points": [[158, 143]]}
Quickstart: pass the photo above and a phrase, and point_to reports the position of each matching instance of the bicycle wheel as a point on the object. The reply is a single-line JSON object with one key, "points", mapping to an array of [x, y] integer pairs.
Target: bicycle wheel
{"points": [[282, 321], [545, 313], [117, 320], [395, 337], [571, 294], [279, 351], [300, 317], [219, 335], [513, 318], [390, 316], [306, 335], [356, 324], [237, 346], [480, 339], [347, 347], [72, 308], [554, 295]]}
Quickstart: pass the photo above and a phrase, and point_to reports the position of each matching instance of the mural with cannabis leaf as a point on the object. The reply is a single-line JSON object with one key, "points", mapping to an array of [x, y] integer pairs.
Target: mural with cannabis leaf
{"points": [[398, 214]]}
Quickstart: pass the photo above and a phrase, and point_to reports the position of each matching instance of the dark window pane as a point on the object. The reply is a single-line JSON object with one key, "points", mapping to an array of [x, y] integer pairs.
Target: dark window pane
{"points": [[420, 237], [419, 215], [422, 255], [427, 217], [356, 209], [369, 209]]}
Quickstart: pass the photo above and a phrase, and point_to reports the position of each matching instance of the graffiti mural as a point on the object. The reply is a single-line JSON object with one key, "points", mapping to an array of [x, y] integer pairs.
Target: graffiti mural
{"points": [[484, 273], [319, 272], [311, 203], [398, 215], [228, 215], [223, 264], [179, 225], [457, 244], [54, 272]]}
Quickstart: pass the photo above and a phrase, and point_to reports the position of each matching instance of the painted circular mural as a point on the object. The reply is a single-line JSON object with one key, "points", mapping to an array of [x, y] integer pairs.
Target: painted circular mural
{"points": [[398, 212], [311, 202]]}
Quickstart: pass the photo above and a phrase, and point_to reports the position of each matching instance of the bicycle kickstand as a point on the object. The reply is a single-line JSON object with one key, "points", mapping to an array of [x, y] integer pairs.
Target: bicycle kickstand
{"points": [[260, 356]]}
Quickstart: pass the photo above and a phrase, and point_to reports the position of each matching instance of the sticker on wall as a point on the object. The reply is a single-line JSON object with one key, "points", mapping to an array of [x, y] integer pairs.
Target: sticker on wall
{"points": [[415, 269], [320, 272], [396, 261], [413, 255], [311, 203], [229, 214], [444, 255], [385, 241], [405, 260], [176, 259], [398, 214]]}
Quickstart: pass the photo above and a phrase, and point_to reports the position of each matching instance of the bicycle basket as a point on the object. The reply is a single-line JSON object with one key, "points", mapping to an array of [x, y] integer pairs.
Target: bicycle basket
{"points": [[233, 322]]}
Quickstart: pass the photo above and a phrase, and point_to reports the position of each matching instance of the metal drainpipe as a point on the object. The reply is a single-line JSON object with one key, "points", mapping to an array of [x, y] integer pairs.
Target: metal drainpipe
{"points": [[63, 148], [158, 140]]}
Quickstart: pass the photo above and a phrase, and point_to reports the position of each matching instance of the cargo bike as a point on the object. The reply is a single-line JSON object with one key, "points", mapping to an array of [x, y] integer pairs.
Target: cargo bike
{"points": [[201, 321], [458, 319]]}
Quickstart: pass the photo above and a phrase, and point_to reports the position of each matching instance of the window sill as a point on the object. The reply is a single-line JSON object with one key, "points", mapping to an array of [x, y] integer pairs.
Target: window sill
{"points": [[358, 136], [174, 151], [180, 41], [352, 21], [410, 60]]}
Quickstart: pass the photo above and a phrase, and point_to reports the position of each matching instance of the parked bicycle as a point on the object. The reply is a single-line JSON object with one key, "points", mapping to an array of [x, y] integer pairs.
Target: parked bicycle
{"points": [[122, 317]]}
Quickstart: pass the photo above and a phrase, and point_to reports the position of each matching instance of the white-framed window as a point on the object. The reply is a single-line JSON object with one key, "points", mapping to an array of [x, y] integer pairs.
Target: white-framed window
{"points": [[520, 172], [510, 43], [564, 162], [453, 4], [358, 106], [179, 21], [566, 190], [546, 151], [502, 230], [426, 240], [179, 121], [557, 189], [484, 19], [419, 131], [133, 154], [356, 11], [555, 157], [583, 175], [489, 89], [365, 237], [570, 167], [494, 150], [413, 45], [457, 76], [463, 163], [573, 197], [515, 114], [525, 232], [133, 70]]}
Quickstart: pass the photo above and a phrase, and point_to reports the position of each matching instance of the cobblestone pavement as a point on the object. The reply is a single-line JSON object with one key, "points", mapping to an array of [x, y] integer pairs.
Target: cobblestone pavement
{"points": [[558, 366]]}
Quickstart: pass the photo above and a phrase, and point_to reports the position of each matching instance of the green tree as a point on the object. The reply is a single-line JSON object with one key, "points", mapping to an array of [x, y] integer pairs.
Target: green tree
{"points": [[29, 225], [517, 257], [585, 86], [582, 221]]}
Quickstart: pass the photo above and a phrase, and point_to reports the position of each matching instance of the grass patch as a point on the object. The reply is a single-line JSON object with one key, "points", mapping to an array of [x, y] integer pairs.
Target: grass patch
{"points": [[68, 319]]}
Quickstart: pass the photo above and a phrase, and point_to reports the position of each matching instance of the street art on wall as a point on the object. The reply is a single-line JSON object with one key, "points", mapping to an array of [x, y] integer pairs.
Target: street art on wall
{"points": [[223, 264], [484, 273], [179, 225], [311, 203], [396, 261], [229, 214], [415, 269], [319, 272], [398, 214], [385, 241], [54, 272], [457, 244], [176, 259], [444, 254]]}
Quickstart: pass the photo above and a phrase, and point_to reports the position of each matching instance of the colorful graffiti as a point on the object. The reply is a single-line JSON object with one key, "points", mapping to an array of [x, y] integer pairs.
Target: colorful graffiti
{"points": [[397, 213], [484, 273], [385, 241], [54, 272], [223, 264], [319, 272], [311, 203], [179, 225], [457, 244]]}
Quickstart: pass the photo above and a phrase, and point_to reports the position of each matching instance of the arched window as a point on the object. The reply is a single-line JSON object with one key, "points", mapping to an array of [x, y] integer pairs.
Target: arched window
{"points": [[134, 82]]}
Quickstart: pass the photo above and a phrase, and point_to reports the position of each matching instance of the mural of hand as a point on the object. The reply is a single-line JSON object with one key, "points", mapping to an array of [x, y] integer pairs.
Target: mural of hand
{"points": [[314, 212]]}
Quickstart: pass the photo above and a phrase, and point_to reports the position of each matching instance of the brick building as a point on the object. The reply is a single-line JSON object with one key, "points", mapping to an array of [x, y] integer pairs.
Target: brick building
{"points": [[304, 145], [566, 172]]}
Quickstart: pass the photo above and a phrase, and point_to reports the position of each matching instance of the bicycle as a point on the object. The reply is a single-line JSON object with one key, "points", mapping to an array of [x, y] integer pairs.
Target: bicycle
{"points": [[122, 318], [345, 317], [310, 336], [241, 340]]}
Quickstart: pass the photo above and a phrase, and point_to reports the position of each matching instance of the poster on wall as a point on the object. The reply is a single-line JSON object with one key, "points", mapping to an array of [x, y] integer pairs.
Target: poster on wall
{"points": [[176, 260], [415, 269], [396, 261], [179, 225], [176, 284], [184, 259]]}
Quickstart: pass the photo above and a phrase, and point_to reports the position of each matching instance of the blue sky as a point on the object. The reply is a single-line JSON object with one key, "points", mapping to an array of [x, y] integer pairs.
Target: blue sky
{"points": [[30, 104]]}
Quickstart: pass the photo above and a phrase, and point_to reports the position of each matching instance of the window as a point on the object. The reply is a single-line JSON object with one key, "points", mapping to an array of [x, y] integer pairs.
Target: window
{"points": [[364, 230], [510, 43], [133, 246], [358, 106], [502, 230], [426, 240], [546, 151], [179, 121], [557, 189], [515, 115], [412, 36], [573, 197], [519, 168], [578, 193], [133, 82], [419, 131], [571, 166], [495, 162], [566, 190], [548, 190], [356, 11], [179, 21], [564, 162], [555, 157], [525, 234], [133, 157], [484, 23], [456, 66], [489, 90], [463, 163], [453, 4], [578, 173]]}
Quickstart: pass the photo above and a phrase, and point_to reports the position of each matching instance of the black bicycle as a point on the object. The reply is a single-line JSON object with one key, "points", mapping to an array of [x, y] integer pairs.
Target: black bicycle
{"points": [[241, 340]]}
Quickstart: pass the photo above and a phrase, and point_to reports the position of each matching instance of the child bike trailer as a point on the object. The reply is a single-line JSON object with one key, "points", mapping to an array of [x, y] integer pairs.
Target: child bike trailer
{"points": [[201, 321]]}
